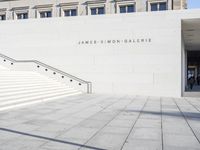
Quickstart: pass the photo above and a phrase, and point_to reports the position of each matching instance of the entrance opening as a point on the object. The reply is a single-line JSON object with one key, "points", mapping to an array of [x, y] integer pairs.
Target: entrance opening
{"points": [[191, 57], [193, 71]]}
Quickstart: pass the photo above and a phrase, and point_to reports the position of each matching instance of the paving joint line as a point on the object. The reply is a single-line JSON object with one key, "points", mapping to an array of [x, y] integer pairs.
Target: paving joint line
{"points": [[86, 118], [192, 104], [108, 122], [185, 118], [161, 110], [119, 99], [85, 108], [134, 123]]}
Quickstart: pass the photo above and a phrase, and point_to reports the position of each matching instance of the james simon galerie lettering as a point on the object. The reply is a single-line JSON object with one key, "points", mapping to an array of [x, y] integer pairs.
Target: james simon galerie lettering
{"points": [[125, 41]]}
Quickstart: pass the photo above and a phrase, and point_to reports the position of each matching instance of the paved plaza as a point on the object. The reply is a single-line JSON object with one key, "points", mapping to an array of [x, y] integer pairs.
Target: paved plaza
{"points": [[103, 122]]}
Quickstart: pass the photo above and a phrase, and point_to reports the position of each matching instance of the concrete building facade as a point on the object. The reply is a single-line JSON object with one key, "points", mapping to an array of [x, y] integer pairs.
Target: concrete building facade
{"points": [[145, 53], [23, 9]]}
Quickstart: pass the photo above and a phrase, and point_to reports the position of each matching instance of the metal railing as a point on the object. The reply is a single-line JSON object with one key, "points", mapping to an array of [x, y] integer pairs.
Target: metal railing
{"points": [[62, 73]]}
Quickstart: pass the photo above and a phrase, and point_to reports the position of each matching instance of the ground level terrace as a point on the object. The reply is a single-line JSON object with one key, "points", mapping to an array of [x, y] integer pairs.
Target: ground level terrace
{"points": [[100, 122]]}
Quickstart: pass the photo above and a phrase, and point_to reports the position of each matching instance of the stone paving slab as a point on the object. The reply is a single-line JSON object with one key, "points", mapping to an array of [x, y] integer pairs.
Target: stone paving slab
{"points": [[103, 122]]}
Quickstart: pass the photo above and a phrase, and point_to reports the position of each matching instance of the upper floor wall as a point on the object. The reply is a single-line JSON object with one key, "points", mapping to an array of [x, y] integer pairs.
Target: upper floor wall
{"points": [[23, 9]]}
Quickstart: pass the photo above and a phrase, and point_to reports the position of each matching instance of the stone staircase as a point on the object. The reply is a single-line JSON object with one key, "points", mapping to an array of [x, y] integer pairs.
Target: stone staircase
{"points": [[20, 88]]}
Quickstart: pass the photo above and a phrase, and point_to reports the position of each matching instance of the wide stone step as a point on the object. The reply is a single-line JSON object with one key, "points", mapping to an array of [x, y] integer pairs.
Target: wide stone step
{"points": [[24, 88], [19, 73], [36, 94], [26, 102], [19, 92], [21, 79], [7, 87], [39, 96], [25, 84], [21, 88], [3, 68]]}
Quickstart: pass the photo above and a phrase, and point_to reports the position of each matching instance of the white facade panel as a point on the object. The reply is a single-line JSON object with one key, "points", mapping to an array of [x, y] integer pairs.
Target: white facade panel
{"points": [[144, 56]]}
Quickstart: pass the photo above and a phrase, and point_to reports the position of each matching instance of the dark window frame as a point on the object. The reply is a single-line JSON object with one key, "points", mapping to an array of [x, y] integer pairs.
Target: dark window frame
{"points": [[22, 15], [129, 8], [158, 6], [3, 17], [97, 10], [70, 12], [46, 14], [165, 6]]}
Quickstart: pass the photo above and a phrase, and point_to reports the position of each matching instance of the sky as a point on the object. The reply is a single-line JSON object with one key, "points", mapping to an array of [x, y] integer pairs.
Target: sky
{"points": [[193, 4]]}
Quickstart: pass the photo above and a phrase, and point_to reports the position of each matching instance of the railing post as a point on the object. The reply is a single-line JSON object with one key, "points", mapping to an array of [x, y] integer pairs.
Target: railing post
{"points": [[89, 88]]}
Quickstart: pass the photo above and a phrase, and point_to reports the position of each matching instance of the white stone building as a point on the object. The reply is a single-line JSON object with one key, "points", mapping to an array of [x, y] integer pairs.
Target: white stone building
{"points": [[23, 9], [146, 53]]}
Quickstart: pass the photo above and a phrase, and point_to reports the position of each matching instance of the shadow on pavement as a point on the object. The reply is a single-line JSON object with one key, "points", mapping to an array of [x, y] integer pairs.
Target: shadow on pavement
{"points": [[188, 115], [50, 139]]}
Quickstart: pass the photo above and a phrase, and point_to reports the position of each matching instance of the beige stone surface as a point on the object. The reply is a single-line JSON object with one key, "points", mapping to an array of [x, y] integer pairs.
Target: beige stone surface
{"points": [[11, 7]]}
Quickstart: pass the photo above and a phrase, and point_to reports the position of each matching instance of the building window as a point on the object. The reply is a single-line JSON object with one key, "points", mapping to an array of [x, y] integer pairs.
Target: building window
{"points": [[97, 10], [22, 16], [127, 8], [96, 7], [162, 6], [20, 12], [122, 9], [43, 11], [158, 6], [2, 17], [154, 7], [68, 9], [45, 14], [70, 12]]}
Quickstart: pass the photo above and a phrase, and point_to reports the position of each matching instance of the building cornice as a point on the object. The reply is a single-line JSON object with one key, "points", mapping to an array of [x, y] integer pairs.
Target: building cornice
{"points": [[43, 6], [20, 8], [124, 0], [96, 2], [3, 9], [68, 4], [7, 0]]}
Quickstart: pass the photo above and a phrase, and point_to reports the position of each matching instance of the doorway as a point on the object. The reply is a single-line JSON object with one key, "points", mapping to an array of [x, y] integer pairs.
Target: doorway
{"points": [[193, 71]]}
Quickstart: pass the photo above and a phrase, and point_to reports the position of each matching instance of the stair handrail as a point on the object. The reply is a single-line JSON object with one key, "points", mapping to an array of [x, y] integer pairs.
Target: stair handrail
{"points": [[89, 84]]}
